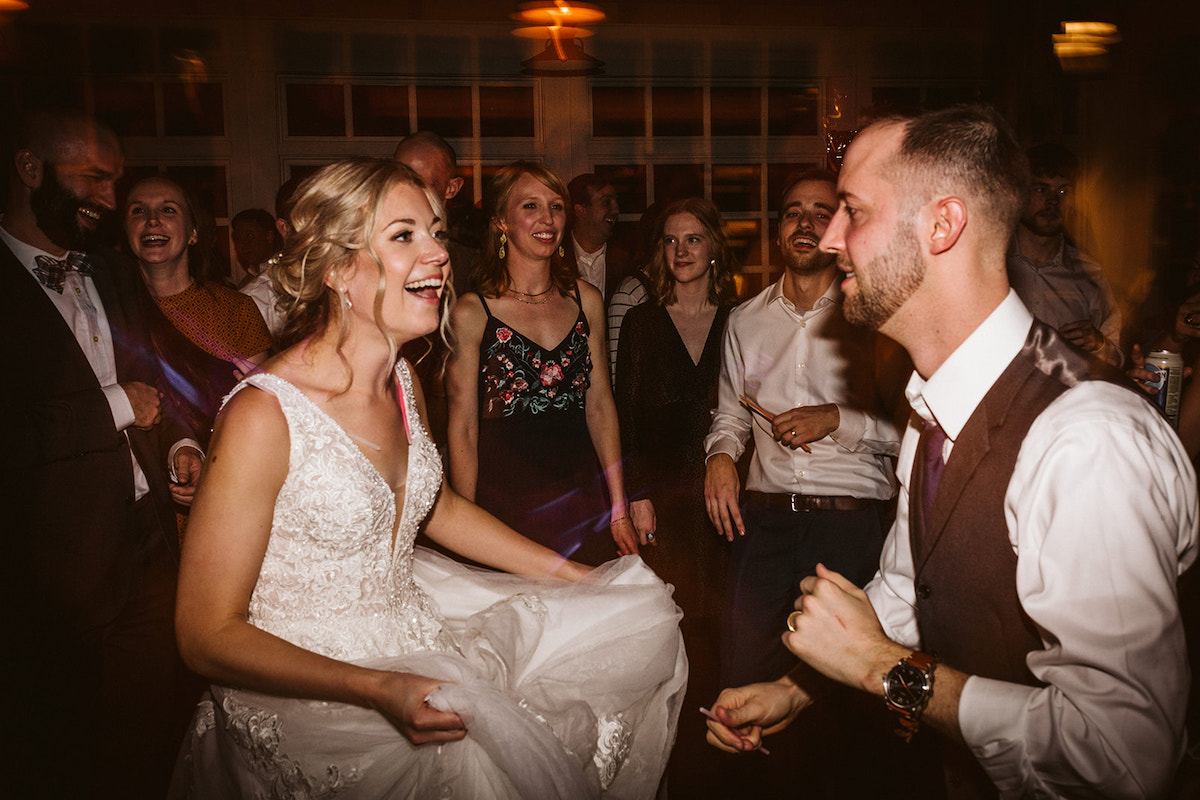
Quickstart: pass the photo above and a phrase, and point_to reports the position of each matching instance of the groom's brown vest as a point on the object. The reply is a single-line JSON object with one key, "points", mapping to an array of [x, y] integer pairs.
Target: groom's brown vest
{"points": [[968, 611]]}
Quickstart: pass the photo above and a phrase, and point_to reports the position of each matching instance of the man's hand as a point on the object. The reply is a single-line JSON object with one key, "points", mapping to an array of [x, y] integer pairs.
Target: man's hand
{"points": [[645, 522], [838, 633], [748, 713], [806, 424], [1145, 379], [187, 466], [1083, 334], [146, 402], [721, 488]]}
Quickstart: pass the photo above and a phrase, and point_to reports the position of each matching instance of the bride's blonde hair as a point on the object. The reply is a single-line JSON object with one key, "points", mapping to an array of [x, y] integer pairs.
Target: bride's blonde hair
{"points": [[332, 219]]}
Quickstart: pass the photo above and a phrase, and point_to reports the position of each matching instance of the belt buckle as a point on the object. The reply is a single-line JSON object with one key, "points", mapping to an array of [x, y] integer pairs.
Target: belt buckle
{"points": [[793, 498]]}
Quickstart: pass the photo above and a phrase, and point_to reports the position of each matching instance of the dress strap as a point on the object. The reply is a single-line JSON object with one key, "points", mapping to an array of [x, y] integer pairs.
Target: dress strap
{"points": [[483, 300], [403, 377]]}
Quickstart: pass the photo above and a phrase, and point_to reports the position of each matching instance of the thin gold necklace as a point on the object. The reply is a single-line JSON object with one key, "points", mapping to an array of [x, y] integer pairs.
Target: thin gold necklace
{"points": [[531, 294], [517, 296]]}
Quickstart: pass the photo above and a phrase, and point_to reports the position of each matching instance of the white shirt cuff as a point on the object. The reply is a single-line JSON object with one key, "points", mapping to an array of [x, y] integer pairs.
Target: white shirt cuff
{"points": [[991, 716], [175, 448], [118, 403]]}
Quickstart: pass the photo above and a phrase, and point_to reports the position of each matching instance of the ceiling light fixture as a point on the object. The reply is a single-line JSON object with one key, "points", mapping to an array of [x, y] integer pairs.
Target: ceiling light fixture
{"points": [[560, 23]]}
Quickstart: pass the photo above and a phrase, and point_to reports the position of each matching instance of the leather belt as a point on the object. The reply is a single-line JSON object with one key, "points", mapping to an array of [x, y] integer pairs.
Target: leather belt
{"points": [[808, 502]]}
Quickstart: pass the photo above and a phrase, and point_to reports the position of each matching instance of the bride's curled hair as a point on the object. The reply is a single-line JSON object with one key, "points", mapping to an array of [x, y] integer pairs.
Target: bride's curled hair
{"points": [[332, 219]]}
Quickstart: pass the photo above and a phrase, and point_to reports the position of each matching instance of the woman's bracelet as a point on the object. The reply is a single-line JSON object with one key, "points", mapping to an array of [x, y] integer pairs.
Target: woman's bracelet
{"points": [[620, 519]]}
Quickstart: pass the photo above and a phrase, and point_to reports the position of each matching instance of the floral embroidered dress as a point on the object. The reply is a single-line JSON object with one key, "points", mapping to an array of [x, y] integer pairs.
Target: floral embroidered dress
{"points": [[538, 471], [567, 690]]}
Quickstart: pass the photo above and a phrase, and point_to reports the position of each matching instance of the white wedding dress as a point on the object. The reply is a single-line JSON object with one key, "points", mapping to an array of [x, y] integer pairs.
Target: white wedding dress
{"points": [[567, 690]]}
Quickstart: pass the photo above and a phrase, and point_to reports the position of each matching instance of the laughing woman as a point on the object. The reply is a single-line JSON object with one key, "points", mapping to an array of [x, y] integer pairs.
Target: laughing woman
{"points": [[344, 660], [215, 334], [533, 425]]}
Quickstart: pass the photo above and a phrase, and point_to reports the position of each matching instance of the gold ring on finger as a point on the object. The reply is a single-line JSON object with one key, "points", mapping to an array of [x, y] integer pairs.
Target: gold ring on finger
{"points": [[791, 620]]}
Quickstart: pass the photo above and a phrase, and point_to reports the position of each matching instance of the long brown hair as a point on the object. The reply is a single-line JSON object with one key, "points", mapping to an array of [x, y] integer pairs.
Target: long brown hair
{"points": [[720, 284], [492, 278]]}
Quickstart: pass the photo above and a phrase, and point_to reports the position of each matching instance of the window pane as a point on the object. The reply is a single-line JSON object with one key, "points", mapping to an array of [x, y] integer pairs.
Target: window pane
{"points": [[209, 184], [678, 111], [380, 110], [50, 92], [895, 99], [735, 111], [127, 107], [618, 111], [745, 241], [316, 109], [677, 181], [506, 111], [630, 182], [737, 187], [446, 110], [121, 50], [779, 176], [193, 109], [792, 112]]}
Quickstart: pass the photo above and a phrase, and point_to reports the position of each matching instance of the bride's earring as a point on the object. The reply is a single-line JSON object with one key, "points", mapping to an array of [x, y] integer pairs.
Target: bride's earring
{"points": [[561, 252], [503, 240], [346, 303]]}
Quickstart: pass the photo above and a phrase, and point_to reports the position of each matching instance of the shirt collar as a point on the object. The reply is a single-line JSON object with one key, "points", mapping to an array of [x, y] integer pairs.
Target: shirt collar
{"points": [[951, 394], [25, 253], [581, 255], [1014, 250], [832, 296]]}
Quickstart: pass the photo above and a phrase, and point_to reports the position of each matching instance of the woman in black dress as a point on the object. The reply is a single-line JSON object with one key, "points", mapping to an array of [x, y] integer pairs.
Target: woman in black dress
{"points": [[667, 368], [533, 427]]}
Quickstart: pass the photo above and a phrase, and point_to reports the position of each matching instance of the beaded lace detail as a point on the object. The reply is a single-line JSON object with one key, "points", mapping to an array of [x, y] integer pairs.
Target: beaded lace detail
{"points": [[330, 580]]}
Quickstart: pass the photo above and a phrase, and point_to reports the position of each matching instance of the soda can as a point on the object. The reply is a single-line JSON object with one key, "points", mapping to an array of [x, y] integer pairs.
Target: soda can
{"points": [[1168, 383]]}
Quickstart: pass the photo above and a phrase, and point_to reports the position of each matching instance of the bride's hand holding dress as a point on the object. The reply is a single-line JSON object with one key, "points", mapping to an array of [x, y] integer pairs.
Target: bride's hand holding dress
{"points": [[228, 534]]}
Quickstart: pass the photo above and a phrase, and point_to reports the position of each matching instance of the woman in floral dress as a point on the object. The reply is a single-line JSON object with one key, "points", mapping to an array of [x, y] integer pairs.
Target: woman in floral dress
{"points": [[533, 426]]}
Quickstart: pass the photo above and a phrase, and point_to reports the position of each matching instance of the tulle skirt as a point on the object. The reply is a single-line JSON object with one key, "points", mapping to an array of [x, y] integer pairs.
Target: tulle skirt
{"points": [[567, 691]]}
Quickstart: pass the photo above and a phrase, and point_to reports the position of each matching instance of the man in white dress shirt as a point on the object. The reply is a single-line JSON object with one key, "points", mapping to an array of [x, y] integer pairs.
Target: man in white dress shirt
{"points": [[824, 465], [1026, 607], [593, 221]]}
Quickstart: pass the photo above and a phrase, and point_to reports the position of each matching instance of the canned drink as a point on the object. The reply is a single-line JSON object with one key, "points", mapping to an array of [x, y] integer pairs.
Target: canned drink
{"points": [[1168, 383]]}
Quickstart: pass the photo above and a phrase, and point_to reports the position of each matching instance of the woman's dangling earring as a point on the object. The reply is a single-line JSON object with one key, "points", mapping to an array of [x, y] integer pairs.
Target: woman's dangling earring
{"points": [[503, 239], [561, 252], [346, 303], [712, 262]]}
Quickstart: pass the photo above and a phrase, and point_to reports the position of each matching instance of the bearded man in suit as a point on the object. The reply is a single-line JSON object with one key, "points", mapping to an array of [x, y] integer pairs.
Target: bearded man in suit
{"points": [[91, 537]]}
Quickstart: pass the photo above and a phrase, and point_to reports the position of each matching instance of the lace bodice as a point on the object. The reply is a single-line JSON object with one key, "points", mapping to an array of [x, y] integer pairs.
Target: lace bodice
{"points": [[330, 581]]}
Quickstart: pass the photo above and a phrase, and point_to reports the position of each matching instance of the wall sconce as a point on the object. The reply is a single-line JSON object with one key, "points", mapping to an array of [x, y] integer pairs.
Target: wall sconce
{"points": [[1083, 46], [560, 23]]}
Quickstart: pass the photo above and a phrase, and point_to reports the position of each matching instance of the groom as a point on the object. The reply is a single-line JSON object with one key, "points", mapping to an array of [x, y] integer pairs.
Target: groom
{"points": [[90, 536]]}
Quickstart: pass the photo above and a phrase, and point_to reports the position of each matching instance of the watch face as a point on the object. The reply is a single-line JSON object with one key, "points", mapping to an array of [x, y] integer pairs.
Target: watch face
{"points": [[907, 686]]}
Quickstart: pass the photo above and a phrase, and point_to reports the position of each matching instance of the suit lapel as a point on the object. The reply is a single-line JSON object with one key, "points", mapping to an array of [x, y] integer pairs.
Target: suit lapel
{"points": [[972, 445]]}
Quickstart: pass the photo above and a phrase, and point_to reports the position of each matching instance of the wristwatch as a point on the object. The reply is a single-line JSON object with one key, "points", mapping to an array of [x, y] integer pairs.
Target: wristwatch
{"points": [[907, 688]]}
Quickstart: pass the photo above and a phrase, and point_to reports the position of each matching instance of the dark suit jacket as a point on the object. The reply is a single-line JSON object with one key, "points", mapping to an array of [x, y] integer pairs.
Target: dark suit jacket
{"points": [[72, 541], [617, 264]]}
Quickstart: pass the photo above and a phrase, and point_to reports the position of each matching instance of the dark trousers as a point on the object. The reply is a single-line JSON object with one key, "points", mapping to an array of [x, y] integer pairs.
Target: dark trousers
{"points": [[781, 548], [101, 713]]}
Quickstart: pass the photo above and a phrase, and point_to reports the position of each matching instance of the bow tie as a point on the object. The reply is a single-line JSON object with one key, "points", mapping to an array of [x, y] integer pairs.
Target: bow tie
{"points": [[52, 272]]}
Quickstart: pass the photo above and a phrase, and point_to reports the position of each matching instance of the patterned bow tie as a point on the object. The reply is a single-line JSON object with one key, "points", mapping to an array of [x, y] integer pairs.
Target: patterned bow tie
{"points": [[52, 272]]}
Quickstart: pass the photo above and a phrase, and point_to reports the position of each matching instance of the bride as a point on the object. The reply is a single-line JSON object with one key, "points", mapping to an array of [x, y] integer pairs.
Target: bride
{"points": [[346, 662]]}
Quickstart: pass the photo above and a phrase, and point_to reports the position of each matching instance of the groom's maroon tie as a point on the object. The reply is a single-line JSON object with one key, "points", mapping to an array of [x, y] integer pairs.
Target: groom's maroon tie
{"points": [[930, 447]]}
